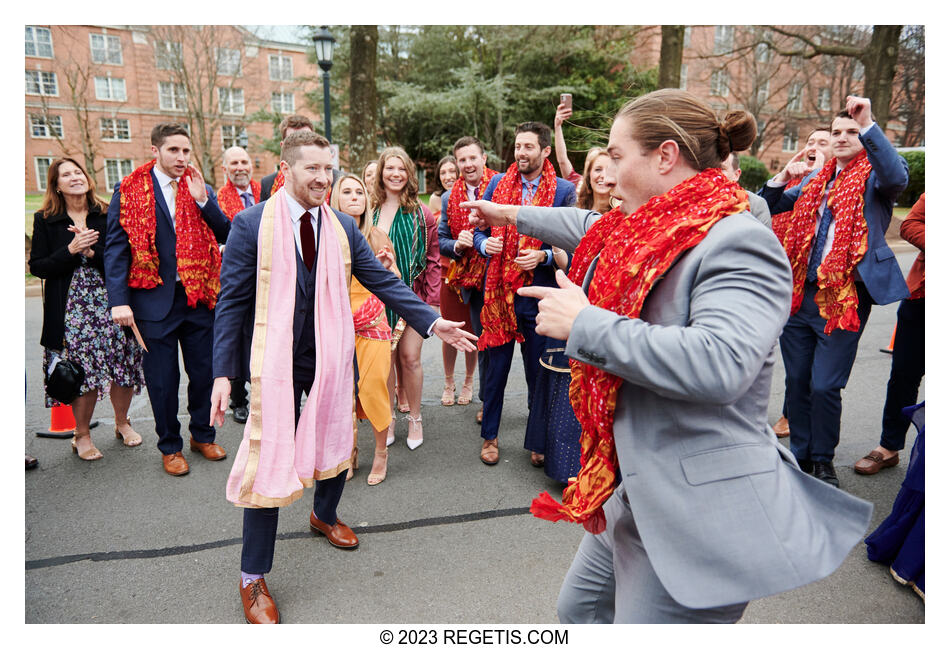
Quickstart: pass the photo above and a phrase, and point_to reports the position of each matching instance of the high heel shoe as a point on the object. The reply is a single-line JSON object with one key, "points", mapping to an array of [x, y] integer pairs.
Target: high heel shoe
{"points": [[90, 454], [375, 478], [465, 396], [448, 395], [391, 435], [134, 439], [354, 463], [413, 444]]}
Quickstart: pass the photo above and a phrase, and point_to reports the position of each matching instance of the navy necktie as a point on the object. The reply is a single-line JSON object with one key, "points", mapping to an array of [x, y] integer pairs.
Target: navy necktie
{"points": [[248, 199], [818, 244], [308, 247]]}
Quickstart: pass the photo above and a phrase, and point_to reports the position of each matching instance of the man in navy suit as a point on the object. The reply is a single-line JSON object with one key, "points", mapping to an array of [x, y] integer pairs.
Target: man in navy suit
{"points": [[532, 148], [161, 310], [817, 365], [307, 168]]}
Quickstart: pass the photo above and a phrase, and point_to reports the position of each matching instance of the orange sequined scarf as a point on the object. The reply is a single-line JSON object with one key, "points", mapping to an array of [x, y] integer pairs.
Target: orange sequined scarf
{"points": [[199, 260], [230, 201], [278, 182], [469, 269], [504, 277], [837, 296], [635, 250]]}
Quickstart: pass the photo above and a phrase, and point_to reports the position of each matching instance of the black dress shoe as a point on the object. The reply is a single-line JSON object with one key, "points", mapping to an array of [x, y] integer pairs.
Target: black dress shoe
{"points": [[240, 414], [825, 472], [807, 466], [31, 462]]}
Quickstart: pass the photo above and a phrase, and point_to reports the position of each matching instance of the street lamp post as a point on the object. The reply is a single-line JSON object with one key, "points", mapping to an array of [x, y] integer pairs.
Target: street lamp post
{"points": [[323, 43]]}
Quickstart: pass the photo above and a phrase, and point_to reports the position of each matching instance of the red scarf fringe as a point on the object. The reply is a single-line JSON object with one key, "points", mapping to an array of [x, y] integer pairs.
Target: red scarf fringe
{"points": [[635, 251]]}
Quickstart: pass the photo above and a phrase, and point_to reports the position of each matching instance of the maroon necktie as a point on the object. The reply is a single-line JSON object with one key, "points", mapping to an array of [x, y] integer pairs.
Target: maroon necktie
{"points": [[307, 247]]}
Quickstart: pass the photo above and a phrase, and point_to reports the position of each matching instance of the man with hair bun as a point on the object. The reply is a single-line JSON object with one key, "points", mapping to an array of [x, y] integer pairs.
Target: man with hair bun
{"points": [[673, 305]]}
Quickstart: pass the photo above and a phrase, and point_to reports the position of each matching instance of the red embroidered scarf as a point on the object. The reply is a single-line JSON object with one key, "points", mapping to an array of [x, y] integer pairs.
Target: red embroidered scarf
{"points": [[635, 250], [199, 260], [469, 269], [278, 182], [504, 276], [229, 200], [837, 296]]}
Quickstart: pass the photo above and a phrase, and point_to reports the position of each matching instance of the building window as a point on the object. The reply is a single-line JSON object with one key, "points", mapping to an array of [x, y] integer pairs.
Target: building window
{"points": [[719, 84], [41, 83], [42, 171], [824, 99], [683, 71], [105, 49], [115, 129], [723, 39], [283, 102], [167, 55], [110, 89], [231, 101], [171, 96], [827, 66], [116, 170], [233, 136], [790, 140], [46, 126], [858, 73], [229, 61], [795, 96], [762, 93], [797, 62], [281, 68], [39, 42], [686, 34]]}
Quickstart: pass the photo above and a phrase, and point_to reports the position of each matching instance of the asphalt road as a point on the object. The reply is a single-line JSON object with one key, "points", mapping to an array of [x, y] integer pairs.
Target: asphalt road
{"points": [[445, 539]]}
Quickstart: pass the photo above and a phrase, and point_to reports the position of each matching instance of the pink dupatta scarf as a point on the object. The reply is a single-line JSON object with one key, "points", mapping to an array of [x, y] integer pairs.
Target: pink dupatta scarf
{"points": [[275, 461]]}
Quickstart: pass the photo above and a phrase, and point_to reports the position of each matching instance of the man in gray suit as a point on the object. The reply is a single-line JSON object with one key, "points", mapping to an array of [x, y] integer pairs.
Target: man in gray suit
{"points": [[712, 511]]}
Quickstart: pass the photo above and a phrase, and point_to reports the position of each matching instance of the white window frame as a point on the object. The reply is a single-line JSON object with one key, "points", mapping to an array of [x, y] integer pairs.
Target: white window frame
{"points": [[51, 125], [762, 93], [228, 61], [42, 76], [824, 98], [282, 108], [231, 101], [167, 54], [178, 100], [795, 96], [233, 135], [115, 129], [790, 140], [279, 59], [723, 39], [106, 49], [719, 84], [31, 39], [41, 176], [116, 171], [112, 84]]}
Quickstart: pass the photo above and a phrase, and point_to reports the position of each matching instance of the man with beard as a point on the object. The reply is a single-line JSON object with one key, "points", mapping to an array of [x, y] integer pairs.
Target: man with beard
{"points": [[515, 261], [467, 271], [239, 193]]}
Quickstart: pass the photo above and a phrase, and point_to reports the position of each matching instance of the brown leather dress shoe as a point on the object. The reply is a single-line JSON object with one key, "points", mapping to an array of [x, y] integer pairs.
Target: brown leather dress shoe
{"points": [[874, 462], [781, 428], [259, 606], [339, 535], [209, 450], [175, 464], [489, 453]]}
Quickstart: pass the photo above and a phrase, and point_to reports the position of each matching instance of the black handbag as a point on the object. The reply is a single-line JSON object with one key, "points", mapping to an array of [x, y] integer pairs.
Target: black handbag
{"points": [[64, 380]]}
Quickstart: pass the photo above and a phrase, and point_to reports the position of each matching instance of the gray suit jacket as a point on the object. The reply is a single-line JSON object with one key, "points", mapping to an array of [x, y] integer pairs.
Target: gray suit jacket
{"points": [[724, 512], [760, 209]]}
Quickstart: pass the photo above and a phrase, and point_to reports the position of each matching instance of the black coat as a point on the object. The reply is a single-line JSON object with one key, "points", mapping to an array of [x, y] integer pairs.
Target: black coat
{"points": [[51, 261]]}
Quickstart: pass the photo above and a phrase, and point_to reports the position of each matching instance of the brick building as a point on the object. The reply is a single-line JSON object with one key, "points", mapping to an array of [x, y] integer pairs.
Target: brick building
{"points": [[727, 66], [108, 85]]}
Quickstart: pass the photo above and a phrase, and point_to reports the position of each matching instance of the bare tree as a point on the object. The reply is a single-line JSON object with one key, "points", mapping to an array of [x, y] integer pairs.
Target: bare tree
{"points": [[204, 62], [671, 55], [909, 96]]}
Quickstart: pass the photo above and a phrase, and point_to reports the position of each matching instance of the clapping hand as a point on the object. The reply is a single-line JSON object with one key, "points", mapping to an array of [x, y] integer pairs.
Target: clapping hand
{"points": [[386, 258], [83, 240]]}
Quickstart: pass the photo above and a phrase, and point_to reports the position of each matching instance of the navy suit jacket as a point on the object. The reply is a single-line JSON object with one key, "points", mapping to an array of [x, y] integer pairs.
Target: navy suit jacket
{"points": [[878, 268], [239, 288], [565, 195], [151, 304]]}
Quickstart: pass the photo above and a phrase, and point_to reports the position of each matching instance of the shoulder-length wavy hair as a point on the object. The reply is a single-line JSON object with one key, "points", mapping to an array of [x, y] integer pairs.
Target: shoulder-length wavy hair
{"points": [[53, 201], [409, 196], [365, 221], [585, 194]]}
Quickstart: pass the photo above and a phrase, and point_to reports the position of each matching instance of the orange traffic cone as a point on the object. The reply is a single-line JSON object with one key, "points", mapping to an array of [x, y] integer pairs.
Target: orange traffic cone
{"points": [[62, 424], [890, 347]]}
